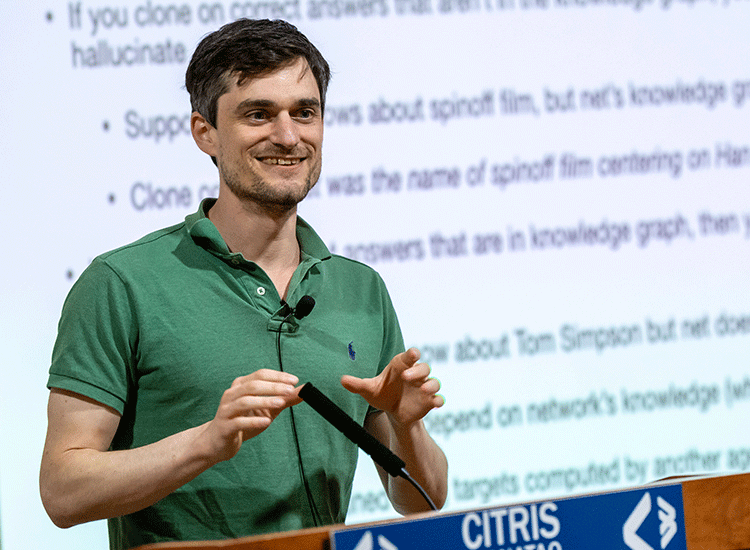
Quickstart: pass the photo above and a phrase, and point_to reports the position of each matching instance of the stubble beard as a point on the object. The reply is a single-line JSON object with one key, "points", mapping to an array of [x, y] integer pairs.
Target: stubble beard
{"points": [[253, 188]]}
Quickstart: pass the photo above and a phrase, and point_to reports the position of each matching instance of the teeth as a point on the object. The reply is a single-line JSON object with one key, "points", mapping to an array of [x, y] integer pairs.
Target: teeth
{"points": [[283, 162]]}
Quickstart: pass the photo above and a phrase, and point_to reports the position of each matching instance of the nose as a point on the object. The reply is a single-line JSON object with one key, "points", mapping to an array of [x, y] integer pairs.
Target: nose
{"points": [[284, 132]]}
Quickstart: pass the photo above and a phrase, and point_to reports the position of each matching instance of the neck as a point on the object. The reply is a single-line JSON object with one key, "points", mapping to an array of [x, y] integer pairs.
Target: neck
{"points": [[265, 237]]}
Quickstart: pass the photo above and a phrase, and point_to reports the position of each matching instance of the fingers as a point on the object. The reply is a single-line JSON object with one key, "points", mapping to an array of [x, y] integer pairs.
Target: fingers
{"points": [[263, 389], [419, 375], [247, 408], [267, 375], [420, 371], [406, 360], [404, 389], [252, 405], [431, 385], [429, 389]]}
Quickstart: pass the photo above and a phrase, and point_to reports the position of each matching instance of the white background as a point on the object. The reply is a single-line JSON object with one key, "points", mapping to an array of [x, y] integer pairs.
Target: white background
{"points": [[68, 185]]}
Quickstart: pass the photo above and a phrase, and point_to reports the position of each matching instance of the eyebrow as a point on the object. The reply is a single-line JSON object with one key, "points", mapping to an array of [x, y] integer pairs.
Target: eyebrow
{"points": [[267, 104]]}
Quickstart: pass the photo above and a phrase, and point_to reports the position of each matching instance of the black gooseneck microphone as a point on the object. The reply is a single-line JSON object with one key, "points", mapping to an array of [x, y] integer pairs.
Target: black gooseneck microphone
{"points": [[381, 454], [303, 308]]}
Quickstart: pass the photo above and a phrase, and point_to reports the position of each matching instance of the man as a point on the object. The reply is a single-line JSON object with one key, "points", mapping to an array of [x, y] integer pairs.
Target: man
{"points": [[174, 407]]}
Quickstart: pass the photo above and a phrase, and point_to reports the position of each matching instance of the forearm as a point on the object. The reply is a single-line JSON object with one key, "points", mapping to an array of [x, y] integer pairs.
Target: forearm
{"points": [[85, 484], [426, 464], [80, 480]]}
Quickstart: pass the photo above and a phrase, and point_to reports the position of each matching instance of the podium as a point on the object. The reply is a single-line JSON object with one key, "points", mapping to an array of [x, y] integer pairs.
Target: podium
{"points": [[696, 513]]}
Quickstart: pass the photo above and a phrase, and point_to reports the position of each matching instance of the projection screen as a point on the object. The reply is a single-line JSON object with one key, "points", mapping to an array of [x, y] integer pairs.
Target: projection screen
{"points": [[555, 192]]}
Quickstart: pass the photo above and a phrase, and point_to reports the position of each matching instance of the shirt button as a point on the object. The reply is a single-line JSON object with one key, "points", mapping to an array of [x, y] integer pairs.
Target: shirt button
{"points": [[260, 290], [236, 261]]}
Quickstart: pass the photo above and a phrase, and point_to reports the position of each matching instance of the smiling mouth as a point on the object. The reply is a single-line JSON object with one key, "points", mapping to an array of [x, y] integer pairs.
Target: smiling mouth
{"points": [[281, 161]]}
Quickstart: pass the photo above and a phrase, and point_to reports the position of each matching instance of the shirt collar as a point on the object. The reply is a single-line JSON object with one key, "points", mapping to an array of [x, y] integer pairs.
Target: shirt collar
{"points": [[204, 233]]}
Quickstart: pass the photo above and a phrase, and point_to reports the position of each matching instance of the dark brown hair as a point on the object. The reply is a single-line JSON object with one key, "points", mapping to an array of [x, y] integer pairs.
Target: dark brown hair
{"points": [[247, 48]]}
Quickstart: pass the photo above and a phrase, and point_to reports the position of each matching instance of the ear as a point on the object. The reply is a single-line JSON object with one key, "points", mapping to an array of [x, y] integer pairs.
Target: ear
{"points": [[203, 133]]}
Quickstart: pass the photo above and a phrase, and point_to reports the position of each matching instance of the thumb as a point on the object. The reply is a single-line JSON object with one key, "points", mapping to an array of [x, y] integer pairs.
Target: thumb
{"points": [[356, 385]]}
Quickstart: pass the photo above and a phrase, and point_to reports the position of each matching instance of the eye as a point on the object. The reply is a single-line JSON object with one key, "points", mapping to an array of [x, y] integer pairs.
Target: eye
{"points": [[307, 113], [256, 115]]}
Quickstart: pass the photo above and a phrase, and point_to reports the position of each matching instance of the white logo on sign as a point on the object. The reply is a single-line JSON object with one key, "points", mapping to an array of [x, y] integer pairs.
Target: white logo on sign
{"points": [[667, 526], [366, 543], [668, 518], [385, 544]]}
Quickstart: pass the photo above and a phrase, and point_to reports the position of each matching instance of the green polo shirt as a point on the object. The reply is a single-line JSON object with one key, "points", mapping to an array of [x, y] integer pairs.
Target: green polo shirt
{"points": [[160, 328]]}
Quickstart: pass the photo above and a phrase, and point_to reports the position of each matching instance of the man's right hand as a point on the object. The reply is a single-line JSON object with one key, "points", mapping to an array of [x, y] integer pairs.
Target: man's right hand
{"points": [[247, 408]]}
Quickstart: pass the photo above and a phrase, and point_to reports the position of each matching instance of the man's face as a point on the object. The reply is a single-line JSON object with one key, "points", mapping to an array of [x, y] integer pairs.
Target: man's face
{"points": [[269, 137]]}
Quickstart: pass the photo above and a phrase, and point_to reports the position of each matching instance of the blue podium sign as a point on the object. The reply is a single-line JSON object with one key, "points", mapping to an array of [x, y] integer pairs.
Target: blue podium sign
{"points": [[642, 519]]}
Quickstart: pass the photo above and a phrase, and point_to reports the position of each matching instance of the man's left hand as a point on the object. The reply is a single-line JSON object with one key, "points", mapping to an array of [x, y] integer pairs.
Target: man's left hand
{"points": [[404, 389]]}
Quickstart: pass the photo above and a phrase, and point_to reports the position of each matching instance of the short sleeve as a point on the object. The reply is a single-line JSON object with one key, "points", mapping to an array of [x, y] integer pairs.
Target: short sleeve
{"points": [[94, 353]]}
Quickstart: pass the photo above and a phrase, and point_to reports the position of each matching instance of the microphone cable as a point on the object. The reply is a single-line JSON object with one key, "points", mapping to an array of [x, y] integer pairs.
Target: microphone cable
{"points": [[307, 307]]}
